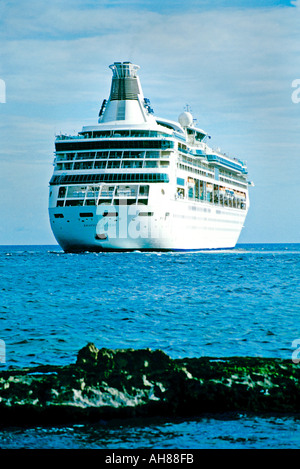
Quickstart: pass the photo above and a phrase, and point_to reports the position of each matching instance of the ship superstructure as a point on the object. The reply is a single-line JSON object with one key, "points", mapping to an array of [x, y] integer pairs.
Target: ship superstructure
{"points": [[136, 181]]}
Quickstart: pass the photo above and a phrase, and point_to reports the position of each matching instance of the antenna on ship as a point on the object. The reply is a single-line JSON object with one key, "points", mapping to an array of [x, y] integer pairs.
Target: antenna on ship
{"points": [[188, 109]]}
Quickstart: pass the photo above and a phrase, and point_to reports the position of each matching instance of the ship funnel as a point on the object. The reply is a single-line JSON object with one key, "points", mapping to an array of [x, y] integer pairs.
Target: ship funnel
{"points": [[125, 83], [126, 101]]}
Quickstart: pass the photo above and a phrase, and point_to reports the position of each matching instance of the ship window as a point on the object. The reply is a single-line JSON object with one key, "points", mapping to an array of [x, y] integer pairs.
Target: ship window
{"points": [[86, 165], [86, 214], [104, 201], [58, 215], [110, 214], [146, 214], [102, 134], [121, 133], [191, 192], [85, 156], [144, 190], [70, 203], [62, 192], [110, 177], [60, 203], [133, 154], [180, 193], [132, 164], [115, 154], [102, 154], [151, 164], [143, 201], [139, 133], [152, 154], [100, 164], [96, 145], [113, 164]]}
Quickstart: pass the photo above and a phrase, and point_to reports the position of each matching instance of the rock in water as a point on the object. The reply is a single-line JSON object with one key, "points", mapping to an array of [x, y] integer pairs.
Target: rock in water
{"points": [[105, 383]]}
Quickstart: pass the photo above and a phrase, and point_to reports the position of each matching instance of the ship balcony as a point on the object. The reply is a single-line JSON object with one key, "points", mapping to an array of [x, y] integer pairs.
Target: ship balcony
{"points": [[107, 193], [126, 193], [220, 199], [233, 163], [72, 196]]}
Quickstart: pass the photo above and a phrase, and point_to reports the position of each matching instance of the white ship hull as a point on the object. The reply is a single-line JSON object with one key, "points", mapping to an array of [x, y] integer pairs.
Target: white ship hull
{"points": [[180, 225]]}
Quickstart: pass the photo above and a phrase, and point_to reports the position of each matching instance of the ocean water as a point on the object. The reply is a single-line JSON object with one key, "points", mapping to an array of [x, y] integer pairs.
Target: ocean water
{"points": [[240, 302]]}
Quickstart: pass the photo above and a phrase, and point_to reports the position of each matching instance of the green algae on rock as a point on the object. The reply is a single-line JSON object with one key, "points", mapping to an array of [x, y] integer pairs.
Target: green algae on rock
{"points": [[125, 383]]}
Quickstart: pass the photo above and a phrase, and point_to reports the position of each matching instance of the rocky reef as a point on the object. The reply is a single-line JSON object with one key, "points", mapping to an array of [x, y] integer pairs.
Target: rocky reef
{"points": [[106, 384]]}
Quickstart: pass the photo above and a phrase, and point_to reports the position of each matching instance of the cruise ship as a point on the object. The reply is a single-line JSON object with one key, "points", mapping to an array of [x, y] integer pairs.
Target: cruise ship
{"points": [[135, 181]]}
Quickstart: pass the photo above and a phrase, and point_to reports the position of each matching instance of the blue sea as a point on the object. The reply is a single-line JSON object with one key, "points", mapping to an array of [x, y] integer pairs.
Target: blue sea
{"points": [[240, 302]]}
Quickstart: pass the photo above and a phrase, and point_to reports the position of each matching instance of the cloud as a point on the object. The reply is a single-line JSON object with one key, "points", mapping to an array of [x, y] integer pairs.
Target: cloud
{"points": [[237, 61], [236, 56]]}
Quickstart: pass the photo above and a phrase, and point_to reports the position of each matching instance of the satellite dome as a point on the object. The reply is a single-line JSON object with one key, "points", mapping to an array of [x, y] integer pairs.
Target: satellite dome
{"points": [[185, 119]]}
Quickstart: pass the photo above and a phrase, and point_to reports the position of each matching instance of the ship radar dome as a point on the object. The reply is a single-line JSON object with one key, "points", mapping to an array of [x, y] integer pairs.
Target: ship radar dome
{"points": [[185, 119]]}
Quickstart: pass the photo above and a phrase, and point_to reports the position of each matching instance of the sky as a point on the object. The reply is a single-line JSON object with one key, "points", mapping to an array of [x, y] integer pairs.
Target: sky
{"points": [[235, 63]]}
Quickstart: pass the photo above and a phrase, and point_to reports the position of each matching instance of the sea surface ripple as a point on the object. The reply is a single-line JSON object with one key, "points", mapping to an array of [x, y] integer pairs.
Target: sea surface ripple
{"points": [[240, 302]]}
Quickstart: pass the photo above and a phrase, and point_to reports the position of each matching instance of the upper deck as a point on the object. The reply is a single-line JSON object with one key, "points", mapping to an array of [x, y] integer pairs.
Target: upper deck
{"points": [[129, 138], [95, 140]]}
